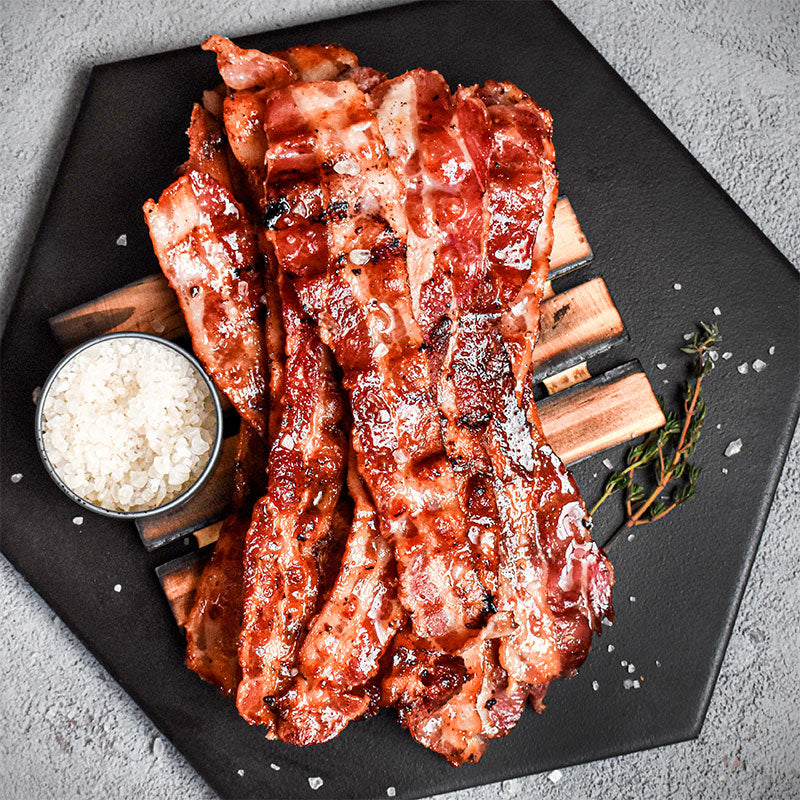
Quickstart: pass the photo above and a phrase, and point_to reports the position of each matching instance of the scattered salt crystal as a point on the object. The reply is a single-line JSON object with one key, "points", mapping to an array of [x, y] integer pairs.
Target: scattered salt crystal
{"points": [[607, 464], [77, 520], [315, 782], [623, 663], [717, 312], [636, 684], [665, 381], [742, 368], [713, 355], [631, 537], [772, 351], [658, 663], [158, 747], [118, 587], [611, 648], [16, 477], [677, 287], [627, 683], [726, 355], [661, 366], [595, 685], [555, 776], [274, 766], [759, 365], [347, 167], [240, 773], [594, 474], [733, 448], [724, 470], [607, 622], [36, 394], [719, 426], [631, 668], [687, 337], [633, 598], [360, 257], [391, 791], [122, 240]]}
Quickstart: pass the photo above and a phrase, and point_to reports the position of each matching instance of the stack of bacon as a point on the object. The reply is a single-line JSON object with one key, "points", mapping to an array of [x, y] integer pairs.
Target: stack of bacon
{"points": [[360, 262]]}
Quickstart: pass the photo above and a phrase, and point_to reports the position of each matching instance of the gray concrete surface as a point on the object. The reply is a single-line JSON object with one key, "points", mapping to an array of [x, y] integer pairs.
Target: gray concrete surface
{"points": [[723, 75]]}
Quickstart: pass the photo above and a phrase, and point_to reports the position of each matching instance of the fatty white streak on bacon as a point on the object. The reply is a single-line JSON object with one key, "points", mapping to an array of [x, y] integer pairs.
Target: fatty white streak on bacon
{"points": [[305, 475], [326, 154]]}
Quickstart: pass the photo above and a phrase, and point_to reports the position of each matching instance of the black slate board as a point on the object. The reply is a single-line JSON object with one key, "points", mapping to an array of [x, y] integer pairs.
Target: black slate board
{"points": [[653, 216]]}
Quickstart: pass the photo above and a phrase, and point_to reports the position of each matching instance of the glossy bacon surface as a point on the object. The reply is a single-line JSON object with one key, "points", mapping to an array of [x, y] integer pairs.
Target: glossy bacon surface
{"points": [[340, 232], [347, 639], [305, 476], [207, 249]]}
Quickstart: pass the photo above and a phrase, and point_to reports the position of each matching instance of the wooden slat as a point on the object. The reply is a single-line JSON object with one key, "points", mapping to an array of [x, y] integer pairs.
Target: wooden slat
{"points": [[147, 305], [567, 377], [593, 416], [208, 505], [179, 579], [150, 306], [570, 247], [575, 326]]}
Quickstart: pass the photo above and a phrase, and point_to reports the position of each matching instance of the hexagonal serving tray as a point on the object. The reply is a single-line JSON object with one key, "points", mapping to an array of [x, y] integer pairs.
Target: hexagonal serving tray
{"points": [[654, 219]]}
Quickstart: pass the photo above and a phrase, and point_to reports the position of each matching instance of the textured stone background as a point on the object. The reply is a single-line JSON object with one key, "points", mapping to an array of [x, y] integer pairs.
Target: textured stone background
{"points": [[724, 77]]}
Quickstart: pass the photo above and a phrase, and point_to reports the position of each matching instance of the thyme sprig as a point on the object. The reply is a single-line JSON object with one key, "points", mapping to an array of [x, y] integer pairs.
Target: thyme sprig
{"points": [[665, 452]]}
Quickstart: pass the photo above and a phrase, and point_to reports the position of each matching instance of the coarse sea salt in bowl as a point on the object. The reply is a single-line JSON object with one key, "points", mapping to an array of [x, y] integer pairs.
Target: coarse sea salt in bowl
{"points": [[129, 425]]}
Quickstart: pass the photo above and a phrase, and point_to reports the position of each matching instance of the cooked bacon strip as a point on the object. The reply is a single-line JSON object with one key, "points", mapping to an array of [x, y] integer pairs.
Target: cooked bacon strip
{"points": [[207, 249], [444, 196], [246, 69], [212, 630], [475, 172], [348, 637], [244, 109], [326, 155], [521, 165], [305, 476]]}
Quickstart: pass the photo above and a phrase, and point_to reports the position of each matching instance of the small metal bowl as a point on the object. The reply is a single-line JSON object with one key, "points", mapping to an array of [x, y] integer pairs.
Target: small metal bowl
{"points": [[177, 501]]}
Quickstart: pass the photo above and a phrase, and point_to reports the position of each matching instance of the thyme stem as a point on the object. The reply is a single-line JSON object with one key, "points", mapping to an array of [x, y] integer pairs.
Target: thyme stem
{"points": [[668, 468]]}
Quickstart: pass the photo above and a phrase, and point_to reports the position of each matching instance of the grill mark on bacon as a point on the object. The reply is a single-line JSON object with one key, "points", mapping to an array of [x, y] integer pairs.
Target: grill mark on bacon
{"points": [[305, 475], [215, 621], [324, 145], [347, 639]]}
